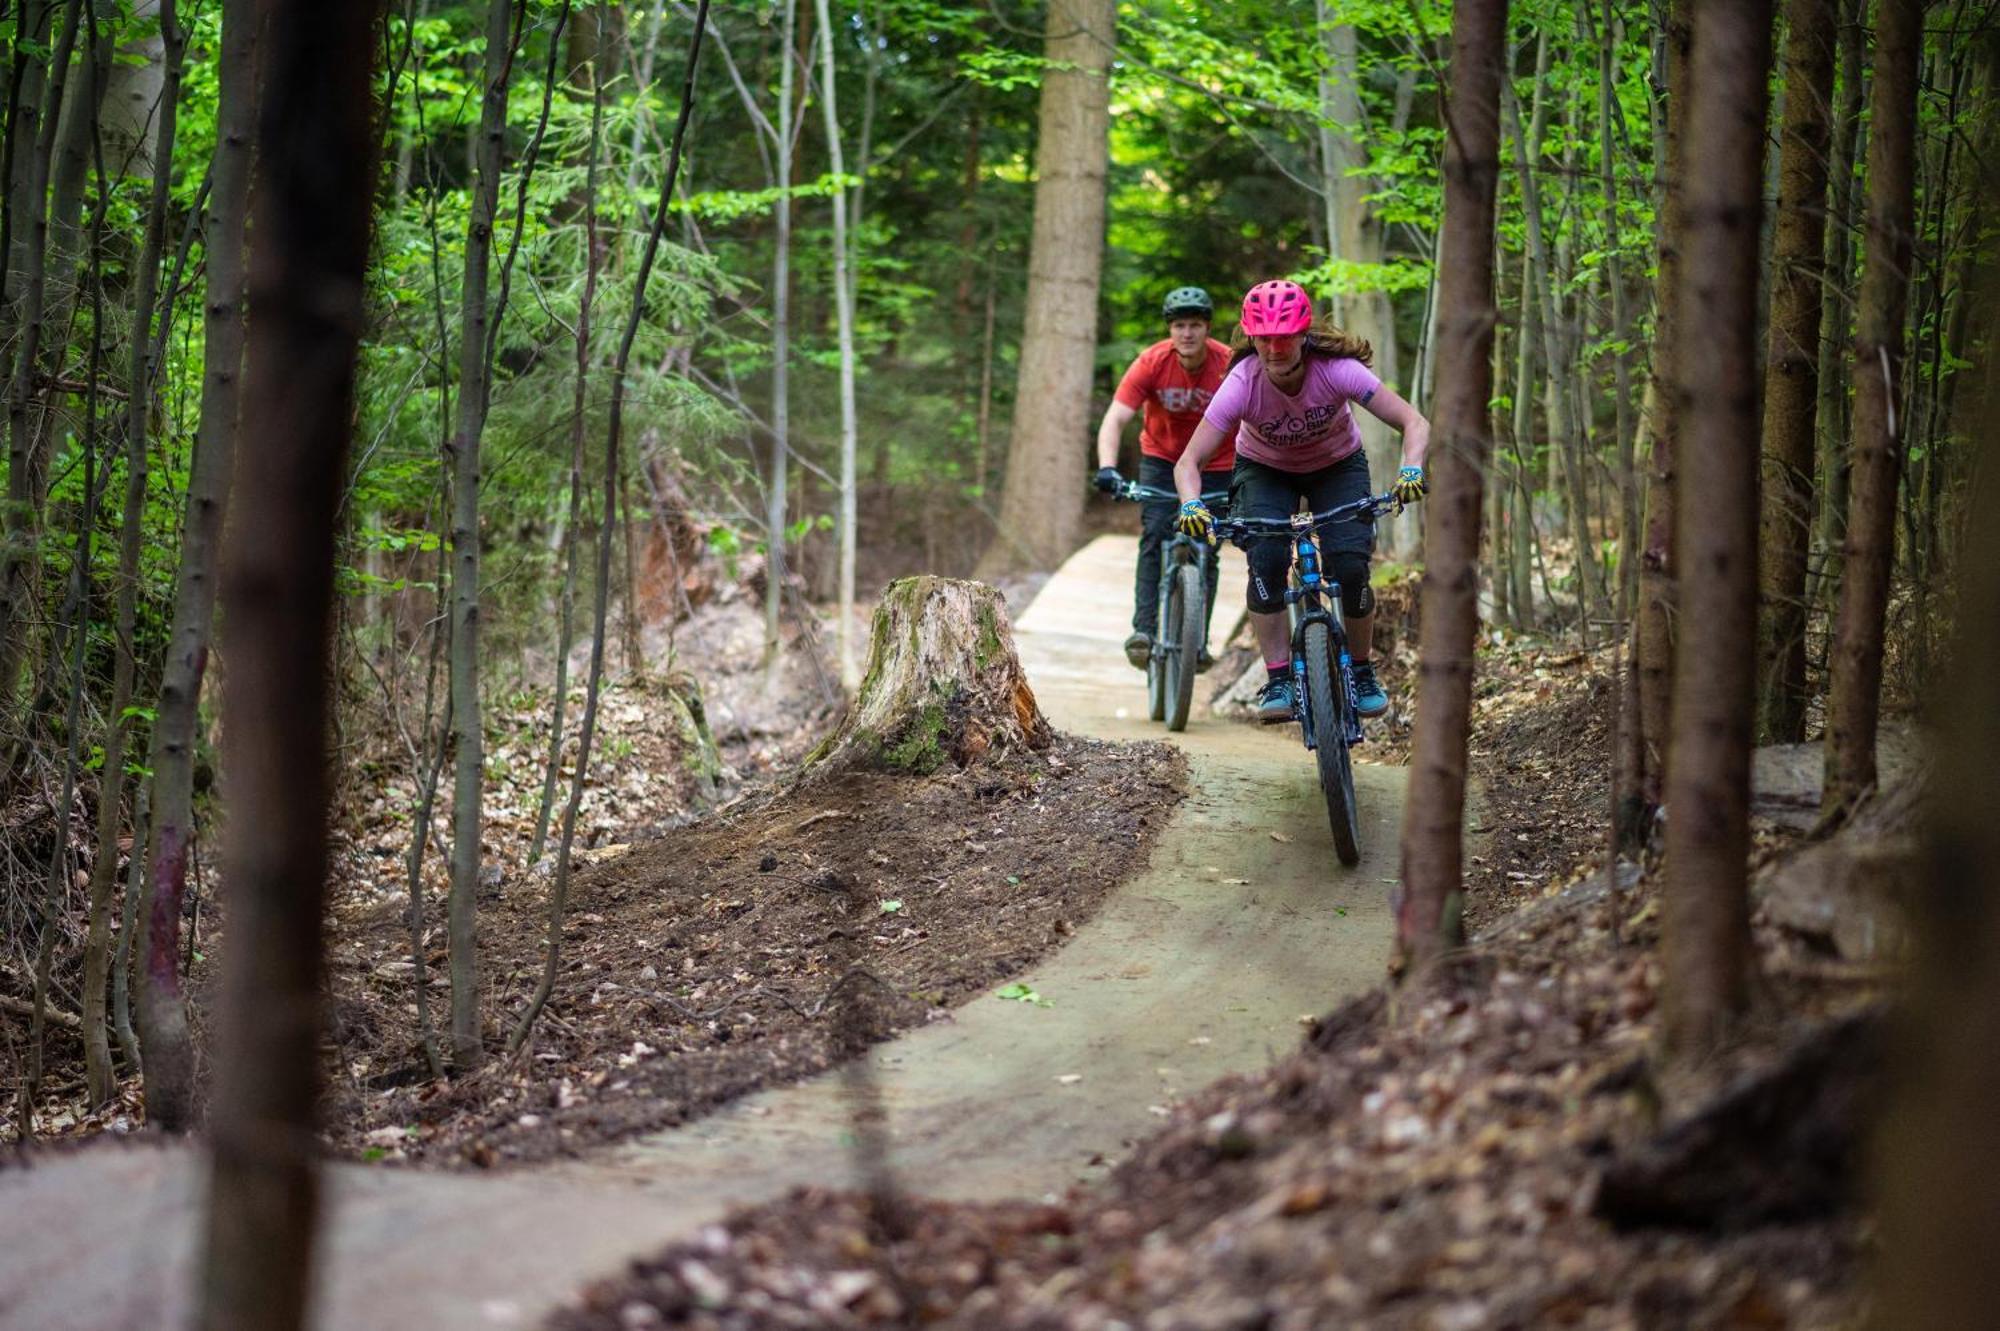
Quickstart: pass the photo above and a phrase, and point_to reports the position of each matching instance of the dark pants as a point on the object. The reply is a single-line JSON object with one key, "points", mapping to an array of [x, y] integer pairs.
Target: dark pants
{"points": [[1259, 491], [1156, 528]]}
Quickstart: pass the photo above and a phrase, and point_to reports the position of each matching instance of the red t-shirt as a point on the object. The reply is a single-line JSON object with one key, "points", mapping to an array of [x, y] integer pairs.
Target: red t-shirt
{"points": [[1174, 401]]}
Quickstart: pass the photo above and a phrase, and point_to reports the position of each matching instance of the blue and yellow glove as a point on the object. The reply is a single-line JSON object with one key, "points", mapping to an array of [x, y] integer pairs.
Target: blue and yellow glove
{"points": [[1410, 485], [1196, 522]]}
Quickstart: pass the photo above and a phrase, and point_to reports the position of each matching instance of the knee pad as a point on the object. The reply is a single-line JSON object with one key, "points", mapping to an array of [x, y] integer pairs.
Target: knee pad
{"points": [[1267, 577], [1350, 570]]}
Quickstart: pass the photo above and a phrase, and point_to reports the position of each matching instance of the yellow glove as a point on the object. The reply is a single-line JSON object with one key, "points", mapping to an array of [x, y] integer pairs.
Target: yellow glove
{"points": [[1410, 485], [1196, 522]]}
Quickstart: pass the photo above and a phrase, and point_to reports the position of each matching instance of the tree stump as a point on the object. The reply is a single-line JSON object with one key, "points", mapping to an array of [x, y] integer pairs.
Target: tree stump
{"points": [[942, 684]]}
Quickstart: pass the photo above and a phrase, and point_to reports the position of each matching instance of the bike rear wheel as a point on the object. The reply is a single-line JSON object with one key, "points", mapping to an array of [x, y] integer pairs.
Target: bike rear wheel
{"points": [[1181, 630], [1326, 705]]}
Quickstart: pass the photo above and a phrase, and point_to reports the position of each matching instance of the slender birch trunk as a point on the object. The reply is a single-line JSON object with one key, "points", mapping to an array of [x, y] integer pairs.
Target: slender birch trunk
{"points": [[474, 391], [163, 1027], [843, 296], [775, 499], [138, 409]]}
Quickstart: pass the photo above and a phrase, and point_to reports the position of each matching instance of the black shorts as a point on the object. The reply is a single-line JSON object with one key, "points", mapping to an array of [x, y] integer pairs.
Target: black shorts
{"points": [[1257, 490], [1260, 491]]}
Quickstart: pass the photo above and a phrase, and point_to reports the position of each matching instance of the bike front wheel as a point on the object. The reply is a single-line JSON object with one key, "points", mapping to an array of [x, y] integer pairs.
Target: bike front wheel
{"points": [[1181, 630], [1156, 677], [1326, 706]]}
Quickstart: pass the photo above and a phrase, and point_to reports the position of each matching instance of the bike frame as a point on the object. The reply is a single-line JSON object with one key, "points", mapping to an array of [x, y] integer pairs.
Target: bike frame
{"points": [[1312, 597], [1182, 549]]}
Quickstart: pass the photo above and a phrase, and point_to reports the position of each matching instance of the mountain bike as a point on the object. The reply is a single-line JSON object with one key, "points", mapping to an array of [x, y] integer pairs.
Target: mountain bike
{"points": [[1183, 619], [1322, 670]]}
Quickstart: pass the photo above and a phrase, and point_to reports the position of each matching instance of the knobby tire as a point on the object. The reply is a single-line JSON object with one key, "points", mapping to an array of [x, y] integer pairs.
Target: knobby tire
{"points": [[1156, 678], [1325, 704], [1183, 629]]}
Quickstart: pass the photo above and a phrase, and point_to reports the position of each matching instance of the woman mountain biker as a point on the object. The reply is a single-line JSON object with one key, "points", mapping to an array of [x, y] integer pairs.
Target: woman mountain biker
{"points": [[1287, 400], [1173, 381]]}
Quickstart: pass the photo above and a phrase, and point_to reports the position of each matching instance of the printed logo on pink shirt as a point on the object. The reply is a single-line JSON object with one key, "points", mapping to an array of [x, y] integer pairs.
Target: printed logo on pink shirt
{"points": [[1295, 431]]}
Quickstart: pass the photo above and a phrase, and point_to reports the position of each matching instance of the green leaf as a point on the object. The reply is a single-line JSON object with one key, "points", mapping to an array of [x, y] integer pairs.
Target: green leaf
{"points": [[1021, 993], [891, 906]]}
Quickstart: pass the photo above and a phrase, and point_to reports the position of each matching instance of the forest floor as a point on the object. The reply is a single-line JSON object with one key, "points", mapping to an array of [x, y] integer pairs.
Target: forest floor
{"points": [[1480, 1152], [1425, 1158]]}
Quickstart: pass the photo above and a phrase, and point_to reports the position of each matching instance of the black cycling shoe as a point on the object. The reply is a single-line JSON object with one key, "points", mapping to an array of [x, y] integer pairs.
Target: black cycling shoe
{"points": [[1204, 661], [1139, 650], [1274, 704]]}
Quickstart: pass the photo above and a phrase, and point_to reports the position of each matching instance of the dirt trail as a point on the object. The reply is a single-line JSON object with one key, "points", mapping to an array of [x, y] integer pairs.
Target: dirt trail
{"points": [[1201, 966]]}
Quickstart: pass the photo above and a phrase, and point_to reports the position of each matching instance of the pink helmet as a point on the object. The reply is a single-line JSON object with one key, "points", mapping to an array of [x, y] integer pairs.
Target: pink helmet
{"points": [[1276, 309]]}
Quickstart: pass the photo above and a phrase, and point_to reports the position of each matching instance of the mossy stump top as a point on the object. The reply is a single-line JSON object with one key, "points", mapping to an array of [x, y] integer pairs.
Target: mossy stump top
{"points": [[942, 685]]}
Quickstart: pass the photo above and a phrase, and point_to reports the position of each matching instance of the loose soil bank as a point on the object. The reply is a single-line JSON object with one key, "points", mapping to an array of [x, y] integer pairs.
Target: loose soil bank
{"points": [[721, 958]]}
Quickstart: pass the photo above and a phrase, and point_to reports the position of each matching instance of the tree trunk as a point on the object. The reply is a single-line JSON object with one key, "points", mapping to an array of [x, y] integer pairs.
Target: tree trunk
{"points": [[1041, 511], [843, 296], [1609, 36], [1653, 652], [1791, 381], [468, 783], [1854, 692], [316, 139], [1938, 1157], [26, 467], [27, 78], [1520, 468], [942, 684], [1705, 941], [1428, 912], [144, 372], [85, 99], [775, 501], [163, 1026], [1835, 322]]}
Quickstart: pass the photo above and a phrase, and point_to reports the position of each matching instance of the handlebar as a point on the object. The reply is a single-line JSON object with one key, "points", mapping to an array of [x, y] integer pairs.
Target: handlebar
{"points": [[1142, 494], [1298, 524]]}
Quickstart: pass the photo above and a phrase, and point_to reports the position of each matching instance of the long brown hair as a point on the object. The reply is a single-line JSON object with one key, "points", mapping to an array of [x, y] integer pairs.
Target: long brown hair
{"points": [[1322, 339]]}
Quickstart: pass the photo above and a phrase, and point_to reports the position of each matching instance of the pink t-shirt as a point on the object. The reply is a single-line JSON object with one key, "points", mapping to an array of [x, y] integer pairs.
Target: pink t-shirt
{"points": [[1300, 431]]}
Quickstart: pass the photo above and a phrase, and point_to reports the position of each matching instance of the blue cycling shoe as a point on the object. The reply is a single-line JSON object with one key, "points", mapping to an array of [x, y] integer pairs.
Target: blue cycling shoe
{"points": [[1369, 699], [1274, 704]]}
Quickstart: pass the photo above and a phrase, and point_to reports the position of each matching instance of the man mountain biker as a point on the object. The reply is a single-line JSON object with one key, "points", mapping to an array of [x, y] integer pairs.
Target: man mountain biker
{"points": [[1286, 400], [1173, 381]]}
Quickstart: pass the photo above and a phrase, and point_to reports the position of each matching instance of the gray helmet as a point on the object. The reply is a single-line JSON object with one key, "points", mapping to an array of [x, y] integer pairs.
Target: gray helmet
{"points": [[1184, 301]]}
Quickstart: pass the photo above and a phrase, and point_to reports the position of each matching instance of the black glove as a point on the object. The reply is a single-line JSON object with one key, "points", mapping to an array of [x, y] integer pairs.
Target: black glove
{"points": [[1108, 479]]}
